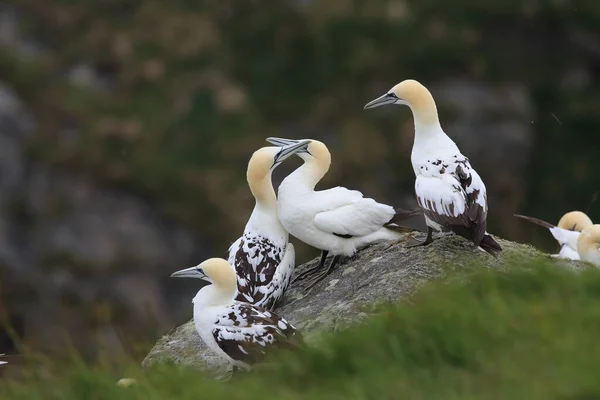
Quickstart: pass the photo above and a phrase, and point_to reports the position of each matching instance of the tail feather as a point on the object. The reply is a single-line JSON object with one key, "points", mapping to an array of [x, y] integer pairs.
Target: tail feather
{"points": [[490, 245], [401, 215]]}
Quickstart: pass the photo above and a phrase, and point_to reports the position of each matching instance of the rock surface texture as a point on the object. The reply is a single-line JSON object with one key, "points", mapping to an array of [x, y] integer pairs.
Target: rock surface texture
{"points": [[382, 273]]}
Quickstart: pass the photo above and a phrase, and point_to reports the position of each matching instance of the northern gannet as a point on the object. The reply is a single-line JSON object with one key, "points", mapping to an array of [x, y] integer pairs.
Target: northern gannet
{"points": [[336, 220], [448, 189], [263, 258], [240, 332], [588, 244], [566, 232]]}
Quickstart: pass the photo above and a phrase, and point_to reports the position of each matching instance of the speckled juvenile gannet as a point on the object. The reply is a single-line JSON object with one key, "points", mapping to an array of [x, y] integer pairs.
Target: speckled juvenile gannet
{"points": [[263, 258], [448, 189], [240, 332], [336, 220], [588, 244], [566, 233]]}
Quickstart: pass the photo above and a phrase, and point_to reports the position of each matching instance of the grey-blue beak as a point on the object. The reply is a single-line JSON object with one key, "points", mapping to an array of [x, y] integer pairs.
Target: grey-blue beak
{"points": [[192, 272], [289, 147], [388, 98]]}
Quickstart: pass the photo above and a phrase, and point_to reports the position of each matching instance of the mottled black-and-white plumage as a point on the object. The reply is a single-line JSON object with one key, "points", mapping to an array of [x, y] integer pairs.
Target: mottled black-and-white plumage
{"points": [[452, 196], [240, 332], [264, 265], [450, 192], [247, 333]]}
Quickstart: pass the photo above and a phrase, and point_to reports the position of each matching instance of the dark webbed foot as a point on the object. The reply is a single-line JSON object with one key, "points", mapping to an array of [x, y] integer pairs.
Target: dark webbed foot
{"points": [[323, 274], [401, 240], [312, 270], [428, 239]]}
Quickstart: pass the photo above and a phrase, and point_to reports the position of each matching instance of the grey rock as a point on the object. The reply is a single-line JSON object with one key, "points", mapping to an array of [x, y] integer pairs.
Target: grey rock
{"points": [[383, 273]]}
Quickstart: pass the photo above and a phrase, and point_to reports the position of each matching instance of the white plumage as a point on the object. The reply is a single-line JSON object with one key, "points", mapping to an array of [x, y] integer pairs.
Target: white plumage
{"points": [[240, 332], [568, 242], [335, 220]]}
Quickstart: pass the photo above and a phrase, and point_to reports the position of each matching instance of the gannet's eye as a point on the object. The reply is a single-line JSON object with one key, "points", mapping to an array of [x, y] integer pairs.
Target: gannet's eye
{"points": [[392, 95]]}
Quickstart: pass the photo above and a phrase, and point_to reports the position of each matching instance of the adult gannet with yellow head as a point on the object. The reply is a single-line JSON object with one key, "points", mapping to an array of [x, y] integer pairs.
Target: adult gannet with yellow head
{"points": [[448, 189], [240, 332], [336, 220], [263, 257], [566, 233], [588, 244]]}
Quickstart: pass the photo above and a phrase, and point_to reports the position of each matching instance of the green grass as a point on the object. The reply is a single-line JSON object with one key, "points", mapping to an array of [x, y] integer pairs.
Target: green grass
{"points": [[528, 333]]}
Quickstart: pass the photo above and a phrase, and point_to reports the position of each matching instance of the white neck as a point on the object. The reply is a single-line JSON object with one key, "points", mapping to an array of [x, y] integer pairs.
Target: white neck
{"points": [[264, 222], [305, 177], [211, 296]]}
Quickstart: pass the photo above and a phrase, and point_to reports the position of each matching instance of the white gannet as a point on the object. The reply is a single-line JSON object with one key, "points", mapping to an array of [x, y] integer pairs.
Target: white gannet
{"points": [[240, 332], [566, 232], [448, 189], [263, 257], [336, 220], [588, 244]]}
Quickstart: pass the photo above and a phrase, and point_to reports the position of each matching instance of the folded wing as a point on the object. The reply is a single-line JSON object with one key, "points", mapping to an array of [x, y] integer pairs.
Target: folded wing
{"points": [[348, 213]]}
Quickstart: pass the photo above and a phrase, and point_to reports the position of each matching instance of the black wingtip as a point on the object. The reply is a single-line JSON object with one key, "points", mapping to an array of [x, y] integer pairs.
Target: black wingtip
{"points": [[536, 221], [402, 214], [490, 245]]}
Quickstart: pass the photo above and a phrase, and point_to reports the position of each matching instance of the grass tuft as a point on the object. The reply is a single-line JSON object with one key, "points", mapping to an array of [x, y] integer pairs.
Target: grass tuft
{"points": [[530, 331]]}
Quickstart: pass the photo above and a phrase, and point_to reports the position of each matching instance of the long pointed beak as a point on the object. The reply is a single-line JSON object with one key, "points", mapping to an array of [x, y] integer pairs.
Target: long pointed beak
{"points": [[381, 101], [281, 142], [192, 272], [290, 149]]}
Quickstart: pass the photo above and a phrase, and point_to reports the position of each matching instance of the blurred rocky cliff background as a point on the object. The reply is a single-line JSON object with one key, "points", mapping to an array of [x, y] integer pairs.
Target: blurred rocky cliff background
{"points": [[126, 126]]}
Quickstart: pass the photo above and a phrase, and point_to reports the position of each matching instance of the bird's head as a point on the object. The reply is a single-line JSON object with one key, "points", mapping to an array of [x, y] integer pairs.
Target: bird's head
{"points": [[408, 92], [575, 221], [216, 271], [588, 244], [266, 159]]}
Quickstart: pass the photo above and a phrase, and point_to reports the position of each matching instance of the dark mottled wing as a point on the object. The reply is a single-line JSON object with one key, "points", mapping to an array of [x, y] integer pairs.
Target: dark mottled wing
{"points": [[255, 259], [248, 333], [453, 195]]}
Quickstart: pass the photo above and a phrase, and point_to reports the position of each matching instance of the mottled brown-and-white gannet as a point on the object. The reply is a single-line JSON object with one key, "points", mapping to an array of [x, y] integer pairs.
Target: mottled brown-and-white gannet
{"points": [[240, 332], [448, 189], [566, 232], [588, 244], [337, 220], [263, 257]]}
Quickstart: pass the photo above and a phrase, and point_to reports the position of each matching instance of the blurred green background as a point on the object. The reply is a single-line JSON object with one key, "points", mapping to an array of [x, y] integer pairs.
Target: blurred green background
{"points": [[126, 126]]}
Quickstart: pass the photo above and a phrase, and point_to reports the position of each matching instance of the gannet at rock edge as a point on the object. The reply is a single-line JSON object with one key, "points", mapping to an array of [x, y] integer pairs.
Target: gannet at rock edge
{"points": [[263, 257], [450, 192], [566, 232], [337, 220], [241, 333], [588, 244]]}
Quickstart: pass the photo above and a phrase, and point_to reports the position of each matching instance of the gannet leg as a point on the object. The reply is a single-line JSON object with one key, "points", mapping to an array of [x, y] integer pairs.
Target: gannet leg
{"points": [[310, 271], [323, 274], [428, 239]]}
